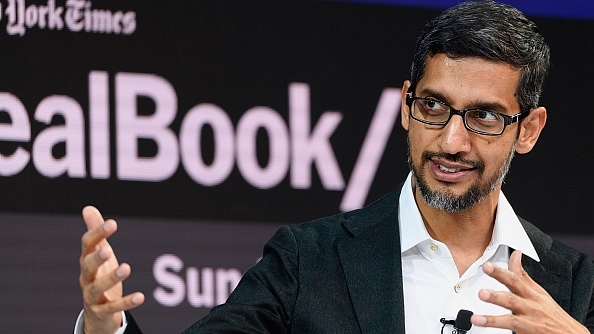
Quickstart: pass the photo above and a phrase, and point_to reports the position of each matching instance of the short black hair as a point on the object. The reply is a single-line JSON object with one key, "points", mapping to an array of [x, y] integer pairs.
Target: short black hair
{"points": [[490, 30]]}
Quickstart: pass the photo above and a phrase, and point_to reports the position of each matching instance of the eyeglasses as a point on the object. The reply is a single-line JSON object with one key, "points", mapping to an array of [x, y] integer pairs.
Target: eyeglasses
{"points": [[484, 122]]}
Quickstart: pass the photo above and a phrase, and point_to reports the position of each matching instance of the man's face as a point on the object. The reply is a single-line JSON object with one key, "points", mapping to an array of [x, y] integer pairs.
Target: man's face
{"points": [[454, 169]]}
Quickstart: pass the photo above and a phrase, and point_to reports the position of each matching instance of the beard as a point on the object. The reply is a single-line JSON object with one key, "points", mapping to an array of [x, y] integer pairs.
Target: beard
{"points": [[444, 199]]}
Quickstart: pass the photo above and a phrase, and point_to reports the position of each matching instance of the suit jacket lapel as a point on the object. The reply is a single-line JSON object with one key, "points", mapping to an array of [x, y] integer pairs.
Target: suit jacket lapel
{"points": [[548, 273], [553, 274], [371, 261]]}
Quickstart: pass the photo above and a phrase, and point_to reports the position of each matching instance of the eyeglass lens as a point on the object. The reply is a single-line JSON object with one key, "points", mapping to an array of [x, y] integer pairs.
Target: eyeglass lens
{"points": [[434, 112]]}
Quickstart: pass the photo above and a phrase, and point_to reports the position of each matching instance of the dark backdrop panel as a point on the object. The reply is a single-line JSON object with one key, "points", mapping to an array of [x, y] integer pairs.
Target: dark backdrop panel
{"points": [[39, 271]]}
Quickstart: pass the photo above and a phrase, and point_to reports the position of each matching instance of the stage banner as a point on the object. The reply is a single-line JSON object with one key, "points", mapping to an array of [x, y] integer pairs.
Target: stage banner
{"points": [[203, 126]]}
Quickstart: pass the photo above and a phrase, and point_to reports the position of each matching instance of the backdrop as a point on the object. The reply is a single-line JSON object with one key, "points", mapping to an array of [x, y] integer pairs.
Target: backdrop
{"points": [[203, 126]]}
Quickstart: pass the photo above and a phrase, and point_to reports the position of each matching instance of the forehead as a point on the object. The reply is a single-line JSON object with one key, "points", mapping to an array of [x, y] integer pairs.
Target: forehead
{"points": [[470, 81]]}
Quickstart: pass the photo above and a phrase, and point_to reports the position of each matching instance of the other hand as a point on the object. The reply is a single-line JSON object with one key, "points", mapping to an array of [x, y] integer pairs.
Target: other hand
{"points": [[534, 311], [101, 277]]}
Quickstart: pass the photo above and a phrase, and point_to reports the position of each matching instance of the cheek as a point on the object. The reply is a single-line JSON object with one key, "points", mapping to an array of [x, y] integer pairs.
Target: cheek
{"points": [[418, 143], [423, 138], [415, 142], [495, 154]]}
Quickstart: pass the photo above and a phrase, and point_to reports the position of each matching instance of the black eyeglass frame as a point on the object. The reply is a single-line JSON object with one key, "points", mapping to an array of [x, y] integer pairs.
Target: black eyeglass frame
{"points": [[507, 120]]}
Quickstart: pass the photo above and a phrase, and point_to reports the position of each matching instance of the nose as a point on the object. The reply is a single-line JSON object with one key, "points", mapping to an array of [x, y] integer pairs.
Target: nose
{"points": [[454, 138]]}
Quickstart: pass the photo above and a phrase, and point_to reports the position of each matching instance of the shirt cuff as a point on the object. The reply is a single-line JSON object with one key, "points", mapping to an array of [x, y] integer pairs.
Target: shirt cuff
{"points": [[79, 327]]}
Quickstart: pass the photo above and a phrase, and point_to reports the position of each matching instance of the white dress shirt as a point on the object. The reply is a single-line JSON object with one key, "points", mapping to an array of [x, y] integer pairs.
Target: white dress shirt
{"points": [[79, 327], [433, 288]]}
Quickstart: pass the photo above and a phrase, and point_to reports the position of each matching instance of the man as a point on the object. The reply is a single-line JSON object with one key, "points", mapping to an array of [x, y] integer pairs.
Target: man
{"points": [[444, 240]]}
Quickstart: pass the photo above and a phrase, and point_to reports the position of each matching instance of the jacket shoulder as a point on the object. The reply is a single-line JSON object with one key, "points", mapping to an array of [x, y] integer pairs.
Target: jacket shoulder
{"points": [[353, 222], [546, 245]]}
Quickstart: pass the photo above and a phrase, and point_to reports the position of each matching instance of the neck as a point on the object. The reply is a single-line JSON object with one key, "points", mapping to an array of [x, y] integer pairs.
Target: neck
{"points": [[466, 233]]}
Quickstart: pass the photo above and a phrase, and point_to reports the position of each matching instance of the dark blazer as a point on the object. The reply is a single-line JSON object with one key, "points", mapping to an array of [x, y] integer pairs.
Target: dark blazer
{"points": [[342, 274]]}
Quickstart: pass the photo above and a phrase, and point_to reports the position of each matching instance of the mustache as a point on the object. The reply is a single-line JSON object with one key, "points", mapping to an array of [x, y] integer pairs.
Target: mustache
{"points": [[429, 155]]}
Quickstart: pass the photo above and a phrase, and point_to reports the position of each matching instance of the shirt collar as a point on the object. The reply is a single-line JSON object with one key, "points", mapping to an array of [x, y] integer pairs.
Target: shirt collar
{"points": [[507, 231]]}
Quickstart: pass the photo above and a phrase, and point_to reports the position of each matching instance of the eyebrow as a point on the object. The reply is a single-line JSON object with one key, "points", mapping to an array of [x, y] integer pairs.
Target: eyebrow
{"points": [[492, 106]]}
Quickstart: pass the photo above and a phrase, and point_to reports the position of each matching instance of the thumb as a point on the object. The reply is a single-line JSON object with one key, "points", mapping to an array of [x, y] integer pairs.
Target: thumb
{"points": [[92, 217]]}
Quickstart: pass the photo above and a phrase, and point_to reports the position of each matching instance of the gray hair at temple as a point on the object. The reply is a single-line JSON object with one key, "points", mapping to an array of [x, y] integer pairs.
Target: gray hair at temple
{"points": [[489, 30]]}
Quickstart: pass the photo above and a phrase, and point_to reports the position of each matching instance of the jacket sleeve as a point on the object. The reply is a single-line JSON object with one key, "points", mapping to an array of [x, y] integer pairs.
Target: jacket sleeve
{"points": [[582, 305], [132, 327], [264, 299]]}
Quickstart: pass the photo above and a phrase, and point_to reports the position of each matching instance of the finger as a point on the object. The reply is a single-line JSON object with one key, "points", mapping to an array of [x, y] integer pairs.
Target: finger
{"points": [[90, 263], [97, 235], [92, 217], [94, 221], [508, 321], [506, 277], [123, 304], [516, 278], [515, 266], [504, 299], [515, 263], [95, 292]]}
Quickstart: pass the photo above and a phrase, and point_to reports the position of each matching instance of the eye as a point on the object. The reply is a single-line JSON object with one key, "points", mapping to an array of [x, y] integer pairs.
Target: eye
{"points": [[484, 120], [485, 115], [433, 107]]}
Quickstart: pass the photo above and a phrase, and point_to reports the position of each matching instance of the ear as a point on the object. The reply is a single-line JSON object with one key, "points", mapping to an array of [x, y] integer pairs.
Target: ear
{"points": [[530, 129], [404, 111]]}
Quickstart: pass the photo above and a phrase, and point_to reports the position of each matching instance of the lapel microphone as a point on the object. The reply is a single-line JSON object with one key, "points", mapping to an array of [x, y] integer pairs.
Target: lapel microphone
{"points": [[462, 323]]}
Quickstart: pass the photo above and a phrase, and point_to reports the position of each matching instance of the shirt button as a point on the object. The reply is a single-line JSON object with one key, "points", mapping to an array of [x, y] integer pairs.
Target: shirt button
{"points": [[457, 288], [433, 247]]}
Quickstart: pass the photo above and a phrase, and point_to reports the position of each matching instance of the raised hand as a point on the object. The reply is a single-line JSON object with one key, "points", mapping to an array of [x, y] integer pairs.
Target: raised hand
{"points": [[101, 277], [534, 311]]}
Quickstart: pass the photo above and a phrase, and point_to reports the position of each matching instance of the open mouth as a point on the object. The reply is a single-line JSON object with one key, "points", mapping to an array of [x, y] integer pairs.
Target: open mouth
{"points": [[452, 168], [448, 170]]}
